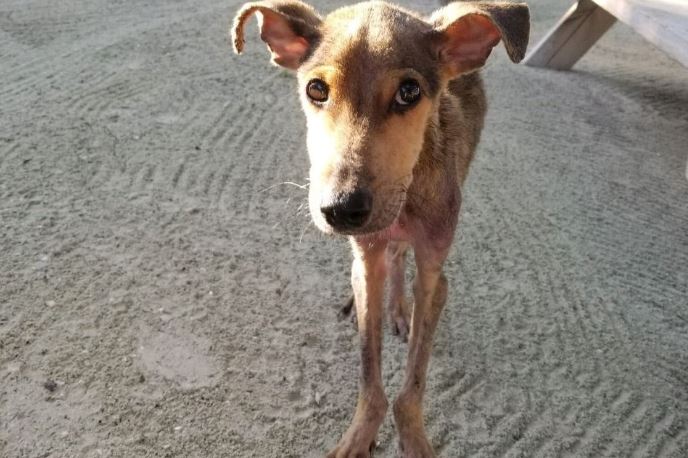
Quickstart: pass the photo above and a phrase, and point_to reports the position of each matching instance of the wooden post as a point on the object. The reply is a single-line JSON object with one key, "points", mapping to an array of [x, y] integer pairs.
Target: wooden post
{"points": [[571, 38]]}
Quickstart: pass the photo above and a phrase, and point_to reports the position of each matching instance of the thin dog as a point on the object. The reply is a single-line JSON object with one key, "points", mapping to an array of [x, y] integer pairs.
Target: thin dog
{"points": [[394, 108]]}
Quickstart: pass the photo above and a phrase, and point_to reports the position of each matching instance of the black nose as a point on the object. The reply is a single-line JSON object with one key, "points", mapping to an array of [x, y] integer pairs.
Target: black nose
{"points": [[348, 210]]}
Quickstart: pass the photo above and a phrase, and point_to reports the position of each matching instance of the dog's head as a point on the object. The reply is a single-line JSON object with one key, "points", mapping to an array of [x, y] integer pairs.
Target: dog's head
{"points": [[369, 78]]}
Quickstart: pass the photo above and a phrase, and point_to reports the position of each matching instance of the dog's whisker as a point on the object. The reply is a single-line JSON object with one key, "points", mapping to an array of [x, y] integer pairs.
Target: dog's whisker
{"points": [[303, 232], [290, 183]]}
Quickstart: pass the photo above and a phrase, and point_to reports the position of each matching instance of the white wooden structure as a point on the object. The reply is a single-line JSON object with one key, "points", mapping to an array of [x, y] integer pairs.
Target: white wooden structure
{"points": [[663, 23]]}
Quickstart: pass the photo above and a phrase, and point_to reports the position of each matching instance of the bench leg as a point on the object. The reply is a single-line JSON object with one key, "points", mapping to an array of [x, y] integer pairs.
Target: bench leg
{"points": [[571, 38]]}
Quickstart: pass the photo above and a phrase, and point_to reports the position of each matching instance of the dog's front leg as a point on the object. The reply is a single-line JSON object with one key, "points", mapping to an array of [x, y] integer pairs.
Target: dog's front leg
{"points": [[430, 294], [368, 280]]}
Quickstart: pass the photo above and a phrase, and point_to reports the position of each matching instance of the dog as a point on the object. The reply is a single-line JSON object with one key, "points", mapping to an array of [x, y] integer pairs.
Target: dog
{"points": [[394, 108]]}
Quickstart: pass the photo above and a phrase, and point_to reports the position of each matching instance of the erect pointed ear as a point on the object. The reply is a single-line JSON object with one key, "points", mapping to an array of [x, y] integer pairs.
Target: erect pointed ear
{"points": [[288, 27], [466, 32]]}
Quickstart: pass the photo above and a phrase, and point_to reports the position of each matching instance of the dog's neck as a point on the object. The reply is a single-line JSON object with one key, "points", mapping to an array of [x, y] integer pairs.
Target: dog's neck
{"points": [[434, 196]]}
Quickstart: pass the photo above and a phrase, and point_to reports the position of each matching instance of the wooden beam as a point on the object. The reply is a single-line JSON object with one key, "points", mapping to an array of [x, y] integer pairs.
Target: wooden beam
{"points": [[571, 38], [664, 23]]}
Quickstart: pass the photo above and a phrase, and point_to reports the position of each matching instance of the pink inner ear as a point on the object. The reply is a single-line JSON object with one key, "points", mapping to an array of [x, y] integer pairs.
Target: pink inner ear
{"points": [[287, 48], [469, 41]]}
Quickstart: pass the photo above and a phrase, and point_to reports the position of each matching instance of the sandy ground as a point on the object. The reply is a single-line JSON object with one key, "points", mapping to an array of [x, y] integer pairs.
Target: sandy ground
{"points": [[161, 294]]}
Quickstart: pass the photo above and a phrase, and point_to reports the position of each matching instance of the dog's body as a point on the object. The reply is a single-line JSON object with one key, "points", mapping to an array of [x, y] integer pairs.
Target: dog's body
{"points": [[394, 110]]}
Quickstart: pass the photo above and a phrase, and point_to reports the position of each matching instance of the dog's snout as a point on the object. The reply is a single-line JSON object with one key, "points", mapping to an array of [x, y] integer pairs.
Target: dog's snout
{"points": [[348, 210]]}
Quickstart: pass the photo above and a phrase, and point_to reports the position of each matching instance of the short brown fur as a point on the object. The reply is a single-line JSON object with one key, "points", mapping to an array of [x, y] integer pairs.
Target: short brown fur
{"points": [[408, 161]]}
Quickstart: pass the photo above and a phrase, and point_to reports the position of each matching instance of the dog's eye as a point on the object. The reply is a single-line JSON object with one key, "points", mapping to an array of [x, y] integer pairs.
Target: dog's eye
{"points": [[407, 94], [316, 90]]}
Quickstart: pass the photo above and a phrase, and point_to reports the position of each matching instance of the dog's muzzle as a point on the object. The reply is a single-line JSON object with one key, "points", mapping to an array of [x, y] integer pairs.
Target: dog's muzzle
{"points": [[347, 211]]}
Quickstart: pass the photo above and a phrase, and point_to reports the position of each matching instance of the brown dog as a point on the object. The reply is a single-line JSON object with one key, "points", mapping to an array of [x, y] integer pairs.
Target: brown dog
{"points": [[394, 111]]}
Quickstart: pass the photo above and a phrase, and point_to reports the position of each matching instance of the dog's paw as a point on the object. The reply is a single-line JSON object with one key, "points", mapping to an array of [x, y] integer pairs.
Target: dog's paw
{"points": [[413, 443], [415, 446], [408, 419], [346, 449], [359, 440], [399, 319], [400, 327]]}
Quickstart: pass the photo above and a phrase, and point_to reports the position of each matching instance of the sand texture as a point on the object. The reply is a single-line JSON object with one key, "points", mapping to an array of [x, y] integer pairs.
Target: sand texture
{"points": [[162, 293]]}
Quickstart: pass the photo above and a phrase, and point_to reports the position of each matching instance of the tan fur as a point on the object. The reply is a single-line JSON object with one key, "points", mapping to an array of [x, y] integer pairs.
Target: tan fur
{"points": [[412, 162]]}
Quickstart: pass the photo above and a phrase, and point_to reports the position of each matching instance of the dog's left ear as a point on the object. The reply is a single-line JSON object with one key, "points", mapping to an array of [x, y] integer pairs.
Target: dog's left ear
{"points": [[290, 28], [465, 33]]}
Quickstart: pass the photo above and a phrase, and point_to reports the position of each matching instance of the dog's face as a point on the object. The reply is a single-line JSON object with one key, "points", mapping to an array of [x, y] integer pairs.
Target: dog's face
{"points": [[368, 92], [369, 79]]}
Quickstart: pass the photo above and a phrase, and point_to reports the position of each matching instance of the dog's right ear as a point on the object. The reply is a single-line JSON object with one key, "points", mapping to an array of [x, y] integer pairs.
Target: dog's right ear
{"points": [[466, 32], [290, 28]]}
